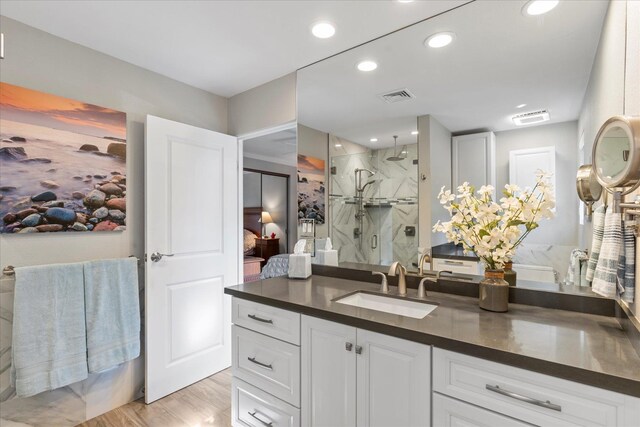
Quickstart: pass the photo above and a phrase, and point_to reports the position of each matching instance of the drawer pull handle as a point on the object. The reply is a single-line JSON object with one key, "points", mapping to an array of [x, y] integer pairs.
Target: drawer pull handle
{"points": [[260, 319], [547, 404], [264, 365], [454, 262], [253, 414]]}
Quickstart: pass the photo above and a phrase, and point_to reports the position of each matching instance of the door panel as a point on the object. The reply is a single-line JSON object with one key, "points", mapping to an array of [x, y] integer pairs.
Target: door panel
{"points": [[394, 386], [191, 216], [328, 373]]}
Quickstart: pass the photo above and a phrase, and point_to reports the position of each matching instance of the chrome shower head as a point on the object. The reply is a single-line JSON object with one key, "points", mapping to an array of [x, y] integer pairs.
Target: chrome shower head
{"points": [[397, 157]]}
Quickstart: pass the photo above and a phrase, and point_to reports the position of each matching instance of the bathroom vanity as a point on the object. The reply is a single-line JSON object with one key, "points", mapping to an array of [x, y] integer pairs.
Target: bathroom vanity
{"points": [[300, 357]]}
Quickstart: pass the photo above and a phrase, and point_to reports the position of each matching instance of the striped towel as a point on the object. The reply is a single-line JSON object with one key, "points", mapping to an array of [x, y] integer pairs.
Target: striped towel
{"points": [[596, 241], [605, 277], [627, 263], [576, 261]]}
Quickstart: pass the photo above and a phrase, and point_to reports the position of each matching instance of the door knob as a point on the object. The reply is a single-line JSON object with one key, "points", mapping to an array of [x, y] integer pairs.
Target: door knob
{"points": [[157, 256]]}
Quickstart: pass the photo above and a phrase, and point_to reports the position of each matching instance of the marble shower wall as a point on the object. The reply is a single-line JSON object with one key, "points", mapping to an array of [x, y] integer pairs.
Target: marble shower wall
{"points": [[390, 206], [66, 406]]}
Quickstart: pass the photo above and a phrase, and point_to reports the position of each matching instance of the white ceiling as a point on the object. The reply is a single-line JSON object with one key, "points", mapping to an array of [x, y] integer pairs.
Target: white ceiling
{"points": [[224, 47], [499, 59], [280, 147]]}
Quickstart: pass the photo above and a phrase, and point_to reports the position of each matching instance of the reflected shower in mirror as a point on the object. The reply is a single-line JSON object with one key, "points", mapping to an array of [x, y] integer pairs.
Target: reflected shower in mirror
{"points": [[510, 94]]}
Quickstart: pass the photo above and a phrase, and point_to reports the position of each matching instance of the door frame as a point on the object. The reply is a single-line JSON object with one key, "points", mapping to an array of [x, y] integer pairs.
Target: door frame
{"points": [[241, 138]]}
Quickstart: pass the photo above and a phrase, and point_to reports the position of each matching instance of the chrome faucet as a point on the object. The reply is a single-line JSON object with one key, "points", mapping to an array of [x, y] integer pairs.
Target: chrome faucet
{"points": [[384, 286], [397, 269], [423, 258]]}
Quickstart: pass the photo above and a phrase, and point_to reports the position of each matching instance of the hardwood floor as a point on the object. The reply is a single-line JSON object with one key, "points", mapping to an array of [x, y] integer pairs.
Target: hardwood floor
{"points": [[205, 403]]}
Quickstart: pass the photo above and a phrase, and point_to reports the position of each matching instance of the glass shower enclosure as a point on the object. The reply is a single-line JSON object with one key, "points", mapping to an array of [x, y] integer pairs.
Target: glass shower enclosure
{"points": [[373, 204]]}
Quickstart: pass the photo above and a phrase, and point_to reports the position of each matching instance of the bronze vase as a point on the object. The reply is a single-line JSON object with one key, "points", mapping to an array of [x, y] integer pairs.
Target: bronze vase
{"points": [[494, 291]]}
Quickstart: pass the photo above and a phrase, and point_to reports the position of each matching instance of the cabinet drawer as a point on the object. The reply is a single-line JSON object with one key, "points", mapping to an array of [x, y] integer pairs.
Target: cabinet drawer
{"points": [[456, 266], [267, 363], [448, 412], [255, 408], [529, 396], [275, 322]]}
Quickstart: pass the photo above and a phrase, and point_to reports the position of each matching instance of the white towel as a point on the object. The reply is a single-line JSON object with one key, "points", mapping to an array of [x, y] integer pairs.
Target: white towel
{"points": [[596, 241], [576, 261], [583, 273], [605, 277], [627, 262], [113, 312], [49, 348]]}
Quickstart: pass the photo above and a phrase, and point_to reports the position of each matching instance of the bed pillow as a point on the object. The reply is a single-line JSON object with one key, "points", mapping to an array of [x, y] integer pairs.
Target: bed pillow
{"points": [[249, 242]]}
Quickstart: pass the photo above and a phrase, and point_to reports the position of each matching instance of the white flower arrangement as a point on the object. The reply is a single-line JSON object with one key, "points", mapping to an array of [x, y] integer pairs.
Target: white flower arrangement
{"points": [[494, 230]]}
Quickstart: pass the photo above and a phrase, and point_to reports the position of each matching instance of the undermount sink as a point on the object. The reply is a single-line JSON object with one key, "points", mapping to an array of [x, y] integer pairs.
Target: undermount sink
{"points": [[388, 304]]}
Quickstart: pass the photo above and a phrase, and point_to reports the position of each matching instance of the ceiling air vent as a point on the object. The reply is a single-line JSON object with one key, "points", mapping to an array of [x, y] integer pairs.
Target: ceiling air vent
{"points": [[396, 96], [531, 118]]}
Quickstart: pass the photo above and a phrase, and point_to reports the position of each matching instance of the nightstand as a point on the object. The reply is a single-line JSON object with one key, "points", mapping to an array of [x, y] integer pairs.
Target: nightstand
{"points": [[266, 248]]}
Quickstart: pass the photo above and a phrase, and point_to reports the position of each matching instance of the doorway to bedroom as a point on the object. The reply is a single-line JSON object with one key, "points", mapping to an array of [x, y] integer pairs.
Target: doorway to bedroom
{"points": [[269, 198]]}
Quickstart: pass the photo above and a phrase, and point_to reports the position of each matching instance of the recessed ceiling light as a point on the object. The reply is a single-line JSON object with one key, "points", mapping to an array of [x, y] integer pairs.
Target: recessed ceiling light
{"points": [[415, 132], [404, 1], [367, 66], [440, 39], [539, 7], [373, 140], [521, 106], [338, 145], [323, 30]]}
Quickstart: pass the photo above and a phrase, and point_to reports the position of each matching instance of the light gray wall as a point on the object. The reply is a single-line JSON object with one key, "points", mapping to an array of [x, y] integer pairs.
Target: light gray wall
{"points": [[434, 161], [315, 143], [263, 107], [40, 61], [261, 165], [37, 60], [614, 86], [563, 229]]}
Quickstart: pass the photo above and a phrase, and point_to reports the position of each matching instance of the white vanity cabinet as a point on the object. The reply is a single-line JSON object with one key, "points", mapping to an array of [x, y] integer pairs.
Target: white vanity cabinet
{"points": [[488, 389], [356, 377], [458, 266]]}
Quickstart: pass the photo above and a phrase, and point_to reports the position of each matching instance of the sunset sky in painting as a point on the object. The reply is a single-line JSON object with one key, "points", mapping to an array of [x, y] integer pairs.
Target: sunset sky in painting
{"points": [[29, 106], [308, 164]]}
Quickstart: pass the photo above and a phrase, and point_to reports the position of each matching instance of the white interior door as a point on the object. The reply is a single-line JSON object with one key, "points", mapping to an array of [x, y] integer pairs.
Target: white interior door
{"points": [[191, 218]]}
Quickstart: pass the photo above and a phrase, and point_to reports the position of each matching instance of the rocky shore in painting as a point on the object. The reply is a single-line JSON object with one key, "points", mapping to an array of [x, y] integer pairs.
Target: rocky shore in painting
{"points": [[311, 199], [56, 197]]}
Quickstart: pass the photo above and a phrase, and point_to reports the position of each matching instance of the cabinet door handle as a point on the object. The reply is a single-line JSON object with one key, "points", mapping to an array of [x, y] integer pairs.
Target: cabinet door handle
{"points": [[531, 400], [264, 365], [264, 423], [348, 346], [259, 319], [358, 349]]}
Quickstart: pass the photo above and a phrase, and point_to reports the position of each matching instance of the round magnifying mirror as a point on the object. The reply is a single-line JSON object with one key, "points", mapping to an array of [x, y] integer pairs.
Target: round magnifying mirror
{"points": [[589, 189], [616, 153]]}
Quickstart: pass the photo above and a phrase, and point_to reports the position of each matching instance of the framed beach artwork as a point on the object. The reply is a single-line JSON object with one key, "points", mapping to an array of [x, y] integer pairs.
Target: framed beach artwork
{"points": [[62, 164], [311, 188]]}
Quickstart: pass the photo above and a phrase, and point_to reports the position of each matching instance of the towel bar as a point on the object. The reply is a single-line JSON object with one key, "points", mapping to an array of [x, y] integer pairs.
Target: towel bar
{"points": [[9, 270]]}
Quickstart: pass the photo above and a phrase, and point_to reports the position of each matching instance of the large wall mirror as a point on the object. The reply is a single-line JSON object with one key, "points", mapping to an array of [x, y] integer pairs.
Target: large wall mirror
{"points": [[482, 93]]}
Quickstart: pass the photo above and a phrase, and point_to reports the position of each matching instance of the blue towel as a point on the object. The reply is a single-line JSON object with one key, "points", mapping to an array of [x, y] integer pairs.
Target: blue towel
{"points": [[113, 312], [49, 347], [627, 262]]}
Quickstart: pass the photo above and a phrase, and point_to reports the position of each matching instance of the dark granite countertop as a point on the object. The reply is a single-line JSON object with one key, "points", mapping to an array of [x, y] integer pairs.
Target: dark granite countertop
{"points": [[451, 251], [585, 348]]}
